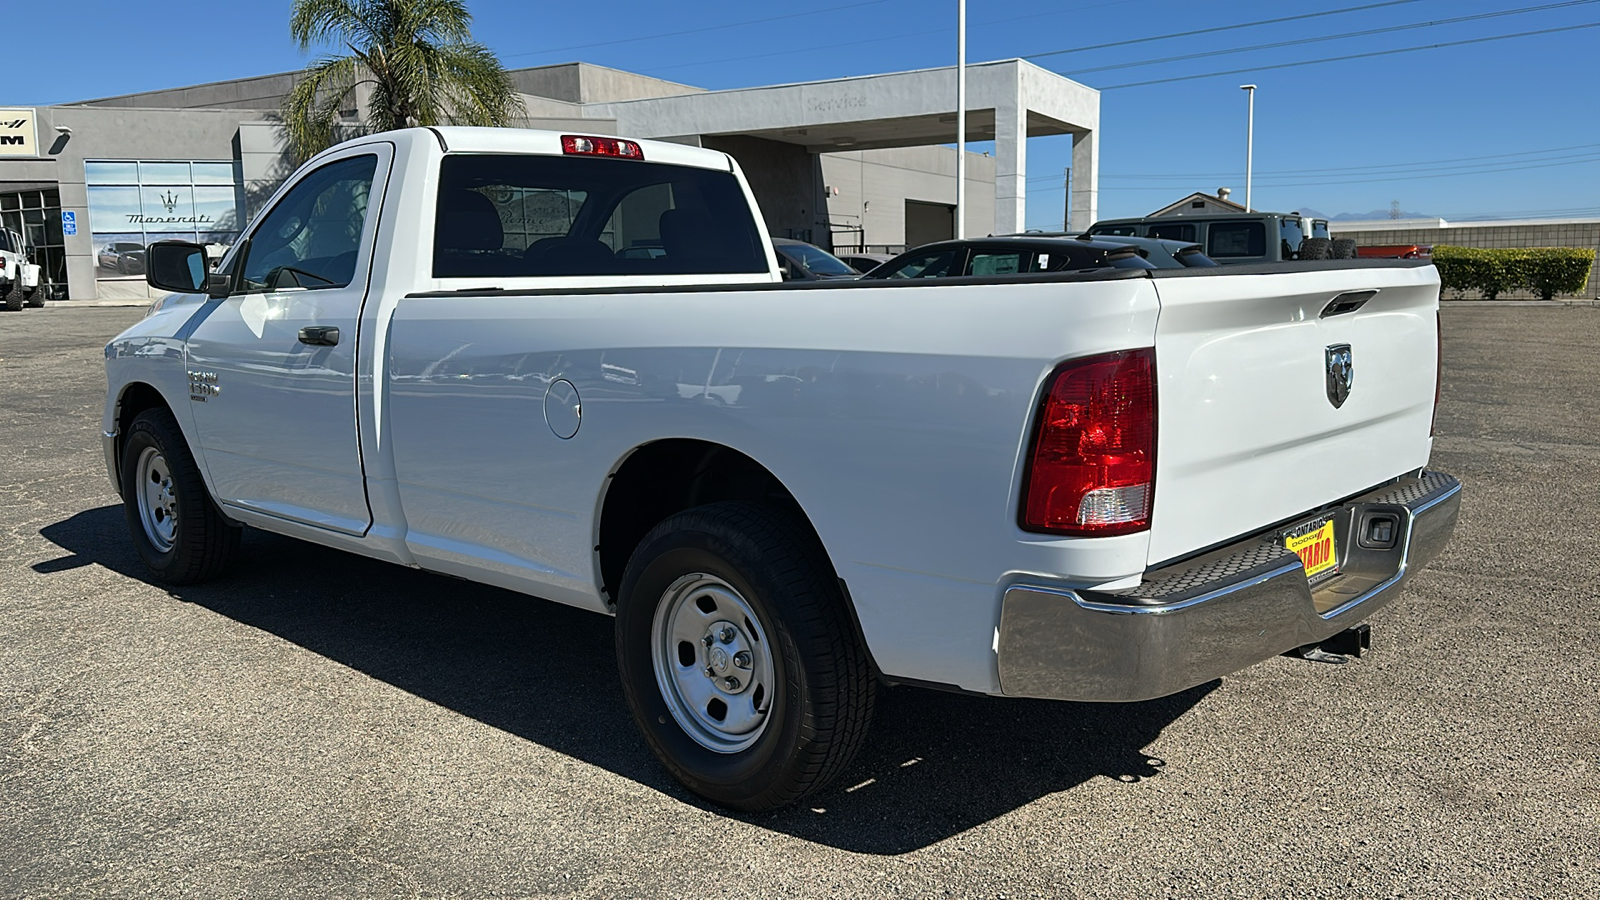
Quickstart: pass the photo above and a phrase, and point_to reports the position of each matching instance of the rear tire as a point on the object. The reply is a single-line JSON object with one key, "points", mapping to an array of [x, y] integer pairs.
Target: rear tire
{"points": [[739, 658], [1344, 248], [11, 294], [177, 529]]}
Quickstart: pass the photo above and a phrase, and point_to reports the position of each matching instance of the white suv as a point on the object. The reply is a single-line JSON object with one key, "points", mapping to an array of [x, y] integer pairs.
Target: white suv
{"points": [[19, 278]]}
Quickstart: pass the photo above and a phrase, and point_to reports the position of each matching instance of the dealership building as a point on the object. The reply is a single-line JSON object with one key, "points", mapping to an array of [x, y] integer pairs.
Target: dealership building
{"points": [[850, 163]]}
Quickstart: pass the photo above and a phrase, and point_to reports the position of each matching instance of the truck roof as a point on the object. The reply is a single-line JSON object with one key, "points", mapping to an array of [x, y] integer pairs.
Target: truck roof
{"points": [[465, 139], [1259, 214]]}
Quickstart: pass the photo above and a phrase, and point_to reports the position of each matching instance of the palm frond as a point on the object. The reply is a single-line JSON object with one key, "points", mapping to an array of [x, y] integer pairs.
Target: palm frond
{"points": [[311, 109], [333, 21], [418, 55], [477, 91]]}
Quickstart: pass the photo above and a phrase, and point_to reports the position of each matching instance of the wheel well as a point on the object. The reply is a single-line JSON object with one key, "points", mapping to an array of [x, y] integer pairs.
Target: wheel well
{"points": [[666, 477], [136, 398]]}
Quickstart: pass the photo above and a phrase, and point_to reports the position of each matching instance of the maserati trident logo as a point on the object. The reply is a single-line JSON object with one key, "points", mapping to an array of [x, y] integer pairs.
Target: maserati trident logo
{"points": [[170, 201], [1341, 374]]}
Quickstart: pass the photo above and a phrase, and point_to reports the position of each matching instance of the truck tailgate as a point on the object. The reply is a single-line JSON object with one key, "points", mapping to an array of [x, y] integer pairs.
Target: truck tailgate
{"points": [[1248, 431]]}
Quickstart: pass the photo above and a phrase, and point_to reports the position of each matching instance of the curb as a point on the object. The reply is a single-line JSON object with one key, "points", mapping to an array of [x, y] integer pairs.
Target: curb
{"points": [[1498, 304]]}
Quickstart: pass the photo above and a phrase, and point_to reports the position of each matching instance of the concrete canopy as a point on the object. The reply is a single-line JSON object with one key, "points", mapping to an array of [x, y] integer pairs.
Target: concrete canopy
{"points": [[1007, 102]]}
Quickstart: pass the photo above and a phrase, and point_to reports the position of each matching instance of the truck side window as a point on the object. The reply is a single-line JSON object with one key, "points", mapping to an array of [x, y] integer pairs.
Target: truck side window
{"points": [[1233, 239], [311, 238], [1175, 231], [514, 216]]}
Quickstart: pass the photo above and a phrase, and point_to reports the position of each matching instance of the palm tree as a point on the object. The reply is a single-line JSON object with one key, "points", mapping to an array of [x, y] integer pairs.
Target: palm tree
{"points": [[418, 56]]}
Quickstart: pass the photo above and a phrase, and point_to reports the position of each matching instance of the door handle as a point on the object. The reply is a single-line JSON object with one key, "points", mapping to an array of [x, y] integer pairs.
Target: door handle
{"points": [[320, 335]]}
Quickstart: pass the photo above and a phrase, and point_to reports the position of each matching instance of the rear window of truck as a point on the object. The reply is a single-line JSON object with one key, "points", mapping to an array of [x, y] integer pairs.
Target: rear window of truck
{"points": [[510, 216]]}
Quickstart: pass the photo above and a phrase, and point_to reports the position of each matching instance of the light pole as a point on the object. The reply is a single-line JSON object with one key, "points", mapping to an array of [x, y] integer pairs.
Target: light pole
{"points": [[961, 119], [1249, 143], [1066, 209]]}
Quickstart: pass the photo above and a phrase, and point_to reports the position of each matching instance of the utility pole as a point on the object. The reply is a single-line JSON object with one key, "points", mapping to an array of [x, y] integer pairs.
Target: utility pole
{"points": [[1066, 210], [1249, 144], [961, 119]]}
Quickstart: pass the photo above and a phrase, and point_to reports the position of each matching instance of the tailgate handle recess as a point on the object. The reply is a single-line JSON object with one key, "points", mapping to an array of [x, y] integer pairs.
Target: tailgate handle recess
{"points": [[1347, 302]]}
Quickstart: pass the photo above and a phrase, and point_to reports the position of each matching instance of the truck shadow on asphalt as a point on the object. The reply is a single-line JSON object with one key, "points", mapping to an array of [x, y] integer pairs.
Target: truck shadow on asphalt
{"points": [[934, 765]]}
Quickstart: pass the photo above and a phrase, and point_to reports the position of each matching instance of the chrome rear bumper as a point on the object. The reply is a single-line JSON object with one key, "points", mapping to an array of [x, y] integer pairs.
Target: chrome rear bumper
{"points": [[1218, 613]]}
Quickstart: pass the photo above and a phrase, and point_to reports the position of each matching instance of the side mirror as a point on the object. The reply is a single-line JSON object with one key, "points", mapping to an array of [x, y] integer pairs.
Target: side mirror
{"points": [[785, 269], [182, 268]]}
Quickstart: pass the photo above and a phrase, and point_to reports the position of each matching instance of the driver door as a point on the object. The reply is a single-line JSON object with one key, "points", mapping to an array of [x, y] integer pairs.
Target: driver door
{"points": [[272, 369]]}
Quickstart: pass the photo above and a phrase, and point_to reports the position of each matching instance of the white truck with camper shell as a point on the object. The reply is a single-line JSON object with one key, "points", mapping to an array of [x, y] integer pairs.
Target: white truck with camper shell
{"points": [[568, 366]]}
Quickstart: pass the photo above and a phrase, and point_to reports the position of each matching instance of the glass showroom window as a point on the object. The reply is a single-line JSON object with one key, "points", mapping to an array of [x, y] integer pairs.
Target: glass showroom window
{"points": [[133, 203]]}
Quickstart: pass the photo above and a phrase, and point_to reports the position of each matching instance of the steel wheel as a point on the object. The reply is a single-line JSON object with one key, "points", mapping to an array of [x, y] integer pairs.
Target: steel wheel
{"points": [[177, 529], [738, 657], [713, 663], [158, 507]]}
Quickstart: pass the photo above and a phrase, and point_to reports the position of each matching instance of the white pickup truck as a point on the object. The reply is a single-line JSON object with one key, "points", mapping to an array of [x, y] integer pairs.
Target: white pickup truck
{"points": [[568, 366]]}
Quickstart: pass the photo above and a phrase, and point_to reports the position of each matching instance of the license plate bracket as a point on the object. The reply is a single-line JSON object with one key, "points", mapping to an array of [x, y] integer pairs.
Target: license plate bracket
{"points": [[1317, 546]]}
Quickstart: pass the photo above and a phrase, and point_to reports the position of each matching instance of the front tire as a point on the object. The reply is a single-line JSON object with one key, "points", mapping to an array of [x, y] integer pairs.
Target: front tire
{"points": [[176, 528], [738, 656]]}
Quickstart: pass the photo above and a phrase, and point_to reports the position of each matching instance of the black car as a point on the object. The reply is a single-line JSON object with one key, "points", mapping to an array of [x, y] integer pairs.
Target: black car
{"points": [[123, 257], [1009, 255], [1160, 252], [801, 261], [1165, 254]]}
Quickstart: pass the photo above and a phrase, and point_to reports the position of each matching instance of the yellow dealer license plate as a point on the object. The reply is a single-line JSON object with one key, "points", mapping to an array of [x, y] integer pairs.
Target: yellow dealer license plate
{"points": [[1314, 544]]}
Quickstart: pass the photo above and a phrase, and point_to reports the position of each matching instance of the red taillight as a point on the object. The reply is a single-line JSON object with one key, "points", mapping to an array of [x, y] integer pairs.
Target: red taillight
{"points": [[1438, 370], [579, 145], [1092, 470]]}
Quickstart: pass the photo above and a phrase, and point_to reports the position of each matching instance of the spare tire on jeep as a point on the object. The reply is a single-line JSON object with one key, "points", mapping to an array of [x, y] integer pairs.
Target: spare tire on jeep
{"points": [[1344, 248], [1316, 248]]}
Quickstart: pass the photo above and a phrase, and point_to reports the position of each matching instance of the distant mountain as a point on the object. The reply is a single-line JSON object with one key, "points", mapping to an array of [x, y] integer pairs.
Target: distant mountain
{"points": [[1360, 217]]}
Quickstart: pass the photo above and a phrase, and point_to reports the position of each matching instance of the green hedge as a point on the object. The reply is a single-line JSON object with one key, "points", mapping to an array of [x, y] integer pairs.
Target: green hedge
{"points": [[1545, 271]]}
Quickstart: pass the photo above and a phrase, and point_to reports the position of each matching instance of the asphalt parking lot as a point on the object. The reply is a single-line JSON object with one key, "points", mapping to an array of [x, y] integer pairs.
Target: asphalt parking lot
{"points": [[321, 725]]}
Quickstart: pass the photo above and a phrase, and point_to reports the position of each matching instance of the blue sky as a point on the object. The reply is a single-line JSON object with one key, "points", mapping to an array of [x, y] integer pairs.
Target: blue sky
{"points": [[1506, 128]]}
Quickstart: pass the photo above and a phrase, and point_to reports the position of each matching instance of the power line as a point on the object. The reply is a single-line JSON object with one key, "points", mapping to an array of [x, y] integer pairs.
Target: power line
{"points": [[1347, 181], [1428, 162], [899, 36], [1418, 169], [670, 34], [1328, 59], [1218, 28], [1332, 37]]}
